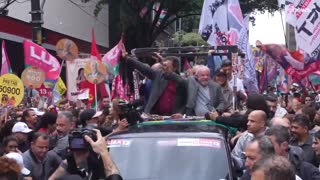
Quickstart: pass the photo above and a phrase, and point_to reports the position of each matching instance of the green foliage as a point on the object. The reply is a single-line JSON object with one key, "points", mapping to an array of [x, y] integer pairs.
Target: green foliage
{"points": [[249, 6], [188, 39], [193, 39], [143, 20]]}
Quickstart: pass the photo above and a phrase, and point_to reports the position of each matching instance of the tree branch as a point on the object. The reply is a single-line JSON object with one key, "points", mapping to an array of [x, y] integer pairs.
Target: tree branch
{"points": [[7, 5], [156, 18]]}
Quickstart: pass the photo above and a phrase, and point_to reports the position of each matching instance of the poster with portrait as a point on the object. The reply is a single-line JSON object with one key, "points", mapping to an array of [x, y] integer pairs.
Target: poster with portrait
{"points": [[75, 76], [95, 72], [11, 90]]}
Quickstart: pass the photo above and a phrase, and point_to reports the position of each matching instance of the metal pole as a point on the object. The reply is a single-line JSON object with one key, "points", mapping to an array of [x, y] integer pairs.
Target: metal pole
{"points": [[95, 94], [36, 21]]}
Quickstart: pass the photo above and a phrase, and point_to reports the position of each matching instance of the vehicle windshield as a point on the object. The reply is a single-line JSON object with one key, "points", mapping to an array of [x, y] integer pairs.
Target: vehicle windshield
{"points": [[170, 158]]}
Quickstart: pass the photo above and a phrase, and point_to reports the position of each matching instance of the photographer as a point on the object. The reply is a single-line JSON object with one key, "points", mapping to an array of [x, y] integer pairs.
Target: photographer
{"points": [[100, 147]]}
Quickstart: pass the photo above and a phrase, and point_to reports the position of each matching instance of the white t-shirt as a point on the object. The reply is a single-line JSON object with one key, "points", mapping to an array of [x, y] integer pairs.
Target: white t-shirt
{"points": [[239, 84]]}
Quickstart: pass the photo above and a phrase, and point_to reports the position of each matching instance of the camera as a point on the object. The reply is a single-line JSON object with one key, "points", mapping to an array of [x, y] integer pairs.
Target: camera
{"points": [[131, 111], [77, 141]]}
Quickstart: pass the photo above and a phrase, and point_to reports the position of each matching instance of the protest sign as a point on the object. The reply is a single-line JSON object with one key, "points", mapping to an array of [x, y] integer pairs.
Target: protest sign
{"points": [[11, 89], [95, 71], [33, 77], [67, 50]]}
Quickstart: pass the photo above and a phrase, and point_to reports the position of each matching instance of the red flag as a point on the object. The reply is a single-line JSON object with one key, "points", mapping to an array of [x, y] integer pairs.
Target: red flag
{"points": [[96, 55], [94, 49], [90, 86]]}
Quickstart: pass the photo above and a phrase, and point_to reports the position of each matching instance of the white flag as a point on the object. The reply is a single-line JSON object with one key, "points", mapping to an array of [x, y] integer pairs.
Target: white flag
{"points": [[213, 25]]}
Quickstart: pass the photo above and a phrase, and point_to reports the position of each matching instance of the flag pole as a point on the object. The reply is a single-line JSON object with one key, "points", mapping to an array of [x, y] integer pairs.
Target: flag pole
{"points": [[95, 94], [283, 29]]}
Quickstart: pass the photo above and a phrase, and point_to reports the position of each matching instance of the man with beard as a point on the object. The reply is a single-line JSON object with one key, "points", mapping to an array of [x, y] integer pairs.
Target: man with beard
{"points": [[29, 117], [64, 125], [275, 109], [204, 95], [21, 131], [279, 137], [302, 138], [226, 67]]}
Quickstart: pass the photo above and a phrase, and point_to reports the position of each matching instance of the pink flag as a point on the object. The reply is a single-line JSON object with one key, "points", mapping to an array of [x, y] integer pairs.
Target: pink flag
{"points": [[112, 57], [35, 55], [5, 67]]}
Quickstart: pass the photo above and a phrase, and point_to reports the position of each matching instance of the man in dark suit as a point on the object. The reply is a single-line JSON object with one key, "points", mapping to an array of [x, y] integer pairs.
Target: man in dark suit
{"points": [[204, 95], [169, 90]]}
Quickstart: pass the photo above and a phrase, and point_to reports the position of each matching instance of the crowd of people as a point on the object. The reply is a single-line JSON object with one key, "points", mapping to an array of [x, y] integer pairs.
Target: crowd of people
{"points": [[278, 134]]}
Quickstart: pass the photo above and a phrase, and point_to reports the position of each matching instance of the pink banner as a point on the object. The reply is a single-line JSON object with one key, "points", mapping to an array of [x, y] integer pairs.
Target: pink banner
{"points": [[35, 55], [5, 60], [113, 56]]}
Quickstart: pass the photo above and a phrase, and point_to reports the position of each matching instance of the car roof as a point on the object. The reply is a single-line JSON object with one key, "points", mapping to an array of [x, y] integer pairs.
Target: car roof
{"points": [[188, 128], [169, 135]]}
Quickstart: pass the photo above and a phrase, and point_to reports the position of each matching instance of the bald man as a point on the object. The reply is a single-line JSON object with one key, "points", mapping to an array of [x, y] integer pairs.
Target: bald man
{"points": [[256, 126], [204, 95], [285, 122]]}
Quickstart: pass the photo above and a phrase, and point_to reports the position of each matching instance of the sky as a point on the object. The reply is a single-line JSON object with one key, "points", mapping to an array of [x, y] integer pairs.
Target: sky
{"points": [[267, 29]]}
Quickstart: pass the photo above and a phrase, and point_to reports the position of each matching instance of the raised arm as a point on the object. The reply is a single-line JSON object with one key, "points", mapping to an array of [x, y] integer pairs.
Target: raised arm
{"points": [[144, 69], [100, 147]]}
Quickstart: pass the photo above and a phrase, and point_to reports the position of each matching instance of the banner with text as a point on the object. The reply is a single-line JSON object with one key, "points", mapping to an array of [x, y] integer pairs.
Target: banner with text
{"points": [[35, 55]]}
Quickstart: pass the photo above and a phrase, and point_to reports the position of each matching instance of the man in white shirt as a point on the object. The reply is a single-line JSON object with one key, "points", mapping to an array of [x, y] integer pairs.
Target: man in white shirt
{"points": [[226, 67]]}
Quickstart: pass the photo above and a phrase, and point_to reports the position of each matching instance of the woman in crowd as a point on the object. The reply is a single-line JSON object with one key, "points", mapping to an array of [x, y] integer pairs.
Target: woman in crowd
{"points": [[47, 123], [10, 144]]}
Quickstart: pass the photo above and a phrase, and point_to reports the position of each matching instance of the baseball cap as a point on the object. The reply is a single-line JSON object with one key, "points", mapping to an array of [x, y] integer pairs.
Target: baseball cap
{"points": [[38, 113], [18, 158], [21, 127], [226, 62], [97, 114], [86, 115]]}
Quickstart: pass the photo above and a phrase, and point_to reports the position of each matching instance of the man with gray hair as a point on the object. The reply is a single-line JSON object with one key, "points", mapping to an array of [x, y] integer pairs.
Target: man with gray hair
{"points": [[65, 123], [281, 122], [204, 95], [275, 168], [257, 149]]}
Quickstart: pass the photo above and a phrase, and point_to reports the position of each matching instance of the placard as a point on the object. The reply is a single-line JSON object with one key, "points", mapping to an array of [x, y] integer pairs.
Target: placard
{"points": [[33, 76], [11, 89], [67, 49], [95, 71], [44, 91]]}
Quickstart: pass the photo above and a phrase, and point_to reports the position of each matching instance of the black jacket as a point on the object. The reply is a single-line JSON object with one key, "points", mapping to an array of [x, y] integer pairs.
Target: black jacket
{"points": [[235, 120], [160, 82], [304, 170]]}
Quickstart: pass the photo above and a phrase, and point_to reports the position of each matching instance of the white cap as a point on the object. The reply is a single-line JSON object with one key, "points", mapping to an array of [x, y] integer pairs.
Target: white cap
{"points": [[21, 127], [18, 158], [97, 114], [38, 113]]}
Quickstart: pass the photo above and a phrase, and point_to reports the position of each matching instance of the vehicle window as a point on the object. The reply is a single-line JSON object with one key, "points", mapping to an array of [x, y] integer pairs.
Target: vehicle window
{"points": [[170, 158]]}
